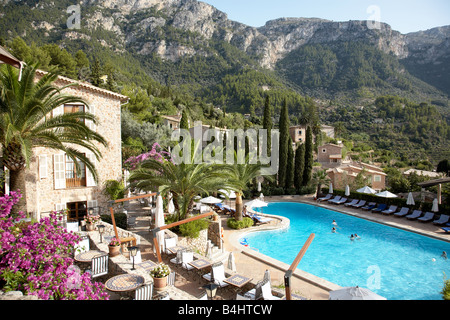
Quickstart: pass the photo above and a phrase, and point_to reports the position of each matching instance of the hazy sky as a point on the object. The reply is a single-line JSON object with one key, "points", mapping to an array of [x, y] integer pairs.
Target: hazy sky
{"points": [[402, 15]]}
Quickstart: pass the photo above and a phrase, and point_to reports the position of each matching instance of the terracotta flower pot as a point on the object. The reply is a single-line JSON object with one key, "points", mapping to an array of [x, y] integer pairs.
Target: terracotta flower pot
{"points": [[160, 284], [114, 251]]}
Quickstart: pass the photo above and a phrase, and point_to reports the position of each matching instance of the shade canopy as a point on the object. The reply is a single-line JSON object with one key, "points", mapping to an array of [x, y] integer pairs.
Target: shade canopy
{"points": [[159, 220], [435, 206], [410, 201], [347, 190], [230, 194], [256, 204], [8, 58], [354, 293], [231, 262], [211, 200], [367, 190], [330, 189], [171, 207], [386, 194]]}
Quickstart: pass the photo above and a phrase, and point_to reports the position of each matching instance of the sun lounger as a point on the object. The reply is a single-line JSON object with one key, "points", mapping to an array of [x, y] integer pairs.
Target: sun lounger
{"points": [[443, 219], [327, 197], [403, 212], [428, 217], [341, 201], [360, 204], [337, 198], [381, 207], [370, 206], [415, 215], [260, 219], [446, 229], [389, 211], [349, 204]]}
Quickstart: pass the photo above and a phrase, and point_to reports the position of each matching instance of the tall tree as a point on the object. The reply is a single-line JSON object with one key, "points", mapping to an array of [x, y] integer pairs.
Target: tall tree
{"points": [[283, 144], [290, 166], [299, 166], [26, 122], [184, 122], [309, 145], [267, 123], [96, 73]]}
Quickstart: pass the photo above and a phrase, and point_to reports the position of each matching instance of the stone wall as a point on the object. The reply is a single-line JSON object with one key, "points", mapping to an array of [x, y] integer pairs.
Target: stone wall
{"points": [[41, 194], [214, 233]]}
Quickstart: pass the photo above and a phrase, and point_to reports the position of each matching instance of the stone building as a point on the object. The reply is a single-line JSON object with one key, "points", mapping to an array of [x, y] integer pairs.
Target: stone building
{"points": [[51, 180]]}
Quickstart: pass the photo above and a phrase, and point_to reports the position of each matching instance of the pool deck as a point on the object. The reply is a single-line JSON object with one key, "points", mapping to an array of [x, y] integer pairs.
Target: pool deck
{"points": [[305, 284]]}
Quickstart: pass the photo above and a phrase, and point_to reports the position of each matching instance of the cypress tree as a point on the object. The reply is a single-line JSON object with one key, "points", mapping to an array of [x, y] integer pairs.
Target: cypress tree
{"points": [[299, 166], [267, 123], [95, 73], [290, 166], [308, 156], [184, 122], [284, 141]]}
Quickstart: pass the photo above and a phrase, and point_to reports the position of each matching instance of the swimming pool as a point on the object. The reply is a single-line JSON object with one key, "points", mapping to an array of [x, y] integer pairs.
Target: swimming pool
{"points": [[391, 262]]}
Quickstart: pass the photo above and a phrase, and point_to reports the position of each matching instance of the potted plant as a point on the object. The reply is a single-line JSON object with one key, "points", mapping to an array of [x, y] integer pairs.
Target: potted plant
{"points": [[91, 220], [159, 275], [114, 247]]}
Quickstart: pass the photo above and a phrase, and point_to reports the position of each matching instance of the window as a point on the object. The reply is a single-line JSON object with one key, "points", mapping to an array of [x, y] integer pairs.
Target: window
{"points": [[77, 210], [377, 178], [75, 178], [324, 150]]}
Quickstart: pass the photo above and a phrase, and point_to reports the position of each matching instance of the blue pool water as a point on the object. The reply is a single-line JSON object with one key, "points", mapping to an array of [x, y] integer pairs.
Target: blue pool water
{"points": [[393, 263]]}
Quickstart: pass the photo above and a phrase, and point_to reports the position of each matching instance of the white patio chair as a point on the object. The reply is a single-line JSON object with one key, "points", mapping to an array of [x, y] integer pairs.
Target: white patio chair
{"points": [[169, 243], [186, 257], [99, 266], [266, 291], [144, 292], [217, 274], [177, 259]]}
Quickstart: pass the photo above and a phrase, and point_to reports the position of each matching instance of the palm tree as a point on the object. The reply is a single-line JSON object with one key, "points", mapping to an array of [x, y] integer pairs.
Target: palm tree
{"points": [[185, 180], [26, 122], [239, 178], [320, 177]]}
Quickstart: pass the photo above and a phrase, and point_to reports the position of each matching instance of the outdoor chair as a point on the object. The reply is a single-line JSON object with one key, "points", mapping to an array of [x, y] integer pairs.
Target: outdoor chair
{"points": [[259, 219], [443, 219], [266, 291], [350, 204], [217, 274], [381, 207], [360, 204], [145, 292], [370, 206], [171, 279], [341, 201], [403, 212], [328, 197], [99, 266], [415, 215], [389, 211], [177, 259], [186, 257], [169, 243], [337, 198], [428, 217]]}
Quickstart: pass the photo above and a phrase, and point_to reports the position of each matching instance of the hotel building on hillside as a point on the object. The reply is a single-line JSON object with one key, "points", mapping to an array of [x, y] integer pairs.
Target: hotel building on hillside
{"points": [[52, 182]]}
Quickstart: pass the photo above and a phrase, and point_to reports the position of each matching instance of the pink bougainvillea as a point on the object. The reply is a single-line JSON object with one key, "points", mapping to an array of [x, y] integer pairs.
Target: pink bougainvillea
{"points": [[35, 258], [161, 156]]}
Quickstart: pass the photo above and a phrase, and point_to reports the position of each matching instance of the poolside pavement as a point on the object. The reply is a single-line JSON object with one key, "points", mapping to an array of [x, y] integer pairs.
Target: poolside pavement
{"points": [[252, 264]]}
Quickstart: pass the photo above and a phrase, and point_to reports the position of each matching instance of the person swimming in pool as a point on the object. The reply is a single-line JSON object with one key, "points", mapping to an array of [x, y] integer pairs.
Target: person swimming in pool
{"points": [[444, 255], [333, 230]]}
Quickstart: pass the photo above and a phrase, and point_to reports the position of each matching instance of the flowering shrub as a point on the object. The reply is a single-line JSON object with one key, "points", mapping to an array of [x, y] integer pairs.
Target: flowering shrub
{"points": [[35, 258], [161, 156], [160, 271], [114, 242], [91, 218]]}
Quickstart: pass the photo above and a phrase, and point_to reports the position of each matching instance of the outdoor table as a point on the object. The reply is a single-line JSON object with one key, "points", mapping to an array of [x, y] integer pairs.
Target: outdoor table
{"points": [[147, 265], [200, 264], [237, 280], [124, 282], [175, 249], [88, 255]]}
